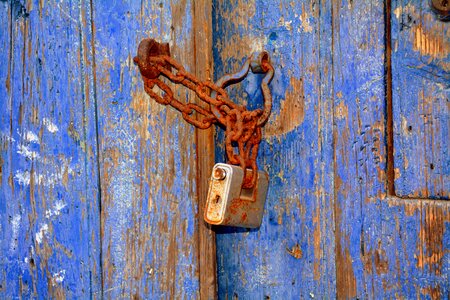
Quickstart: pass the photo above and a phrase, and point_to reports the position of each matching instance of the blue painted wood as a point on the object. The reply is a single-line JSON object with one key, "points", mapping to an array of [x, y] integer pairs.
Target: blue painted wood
{"points": [[149, 205], [292, 254], [48, 172], [386, 247], [421, 91], [330, 229], [327, 163]]}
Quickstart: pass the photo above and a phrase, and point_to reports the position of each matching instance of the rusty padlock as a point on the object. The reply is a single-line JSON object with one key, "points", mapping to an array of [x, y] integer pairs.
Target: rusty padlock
{"points": [[231, 205]]}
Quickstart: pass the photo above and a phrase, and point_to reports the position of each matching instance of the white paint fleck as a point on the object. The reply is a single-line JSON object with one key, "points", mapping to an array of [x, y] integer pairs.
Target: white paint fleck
{"points": [[31, 137], [50, 125], [258, 44], [43, 231], [26, 152], [22, 177], [58, 277], [46, 178], [56, 210], [15, 222]]}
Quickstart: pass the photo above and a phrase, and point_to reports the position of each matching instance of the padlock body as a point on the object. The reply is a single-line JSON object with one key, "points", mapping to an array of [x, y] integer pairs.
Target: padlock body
{"points": [[228, 204]]}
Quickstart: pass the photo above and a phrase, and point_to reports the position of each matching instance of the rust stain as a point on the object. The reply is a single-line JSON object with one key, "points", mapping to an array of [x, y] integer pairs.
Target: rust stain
{"points": [[296, 251], [430, 249], [292, 111]]}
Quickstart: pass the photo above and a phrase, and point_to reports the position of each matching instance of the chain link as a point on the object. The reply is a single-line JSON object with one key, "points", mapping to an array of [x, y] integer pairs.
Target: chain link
{"points": [[242, 127]]}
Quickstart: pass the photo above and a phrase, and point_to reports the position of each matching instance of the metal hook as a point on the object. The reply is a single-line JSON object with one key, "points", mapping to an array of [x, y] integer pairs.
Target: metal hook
{"points": [[259, 63]]}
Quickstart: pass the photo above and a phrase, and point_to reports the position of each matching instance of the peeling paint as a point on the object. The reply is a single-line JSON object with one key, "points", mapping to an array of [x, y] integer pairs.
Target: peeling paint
{"points": [[58, 278], [56, 209], [15, 222], [31, 137], [42, 232], [26, 152], [431, 43], [50, 126], [292, 112]]}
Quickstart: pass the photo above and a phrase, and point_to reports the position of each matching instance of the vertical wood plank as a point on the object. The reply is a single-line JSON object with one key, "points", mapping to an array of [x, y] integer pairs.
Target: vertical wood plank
{"points": [[148, 168], [358, 73], [48, 172], [421, 91], [203, 44], [385, 247], [292, 254]]}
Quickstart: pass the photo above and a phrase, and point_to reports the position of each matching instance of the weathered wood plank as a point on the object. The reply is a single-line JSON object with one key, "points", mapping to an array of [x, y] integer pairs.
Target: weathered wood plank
{"points": [[385, 246], [203, 45], [358, 73], [292, 254], [48, 174], [148, 167], [421, 91]]}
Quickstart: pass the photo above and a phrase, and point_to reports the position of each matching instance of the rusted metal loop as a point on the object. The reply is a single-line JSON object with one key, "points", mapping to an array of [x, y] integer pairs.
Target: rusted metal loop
{"points": [[266, 95], [148, 49], [238, 132], [258, 62]]}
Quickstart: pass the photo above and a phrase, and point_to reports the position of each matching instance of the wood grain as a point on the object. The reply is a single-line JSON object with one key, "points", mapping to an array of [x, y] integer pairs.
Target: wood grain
{"points": [[421, 111], [148, 163], [102, 189], [292, 254], [202, 19], [48, 189], [380, 240]]}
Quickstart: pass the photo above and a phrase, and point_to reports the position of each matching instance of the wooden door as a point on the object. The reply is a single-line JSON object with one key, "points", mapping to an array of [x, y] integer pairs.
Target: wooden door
{"points": [[102, 189], [356, 150], [98, 183]]}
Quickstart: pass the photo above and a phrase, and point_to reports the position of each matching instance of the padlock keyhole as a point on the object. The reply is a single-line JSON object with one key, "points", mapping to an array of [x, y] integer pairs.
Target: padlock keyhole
{"points": [[217, 199]]}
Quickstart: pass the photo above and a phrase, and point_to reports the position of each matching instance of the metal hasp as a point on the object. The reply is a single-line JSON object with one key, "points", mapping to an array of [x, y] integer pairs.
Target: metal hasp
{"points": [[441, 8], [229, 203]]}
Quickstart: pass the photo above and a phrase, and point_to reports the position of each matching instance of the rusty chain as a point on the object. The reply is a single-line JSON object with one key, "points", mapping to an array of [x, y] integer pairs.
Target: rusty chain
{"points": [[242, 127]]}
